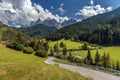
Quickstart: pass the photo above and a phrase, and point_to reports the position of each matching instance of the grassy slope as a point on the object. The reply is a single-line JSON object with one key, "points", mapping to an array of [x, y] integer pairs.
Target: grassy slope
{"points": [[69, 44], [113, 51], [15, 65]]}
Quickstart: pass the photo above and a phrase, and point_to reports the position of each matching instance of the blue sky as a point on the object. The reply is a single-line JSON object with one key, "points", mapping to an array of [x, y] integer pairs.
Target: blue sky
{"points": [[23, 12], [72, 6]]}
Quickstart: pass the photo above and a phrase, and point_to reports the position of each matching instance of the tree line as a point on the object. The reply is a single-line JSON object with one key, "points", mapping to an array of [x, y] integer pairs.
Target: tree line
{"points": [[98, 60]]}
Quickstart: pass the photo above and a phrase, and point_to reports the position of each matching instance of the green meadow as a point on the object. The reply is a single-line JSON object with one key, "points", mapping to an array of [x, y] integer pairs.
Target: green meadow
{"points": [[15, 65], [69, 44], [113, 51]]}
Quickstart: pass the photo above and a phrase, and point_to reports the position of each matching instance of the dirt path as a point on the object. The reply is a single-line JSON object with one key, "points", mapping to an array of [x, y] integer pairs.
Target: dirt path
{"points": [[96, 75]]}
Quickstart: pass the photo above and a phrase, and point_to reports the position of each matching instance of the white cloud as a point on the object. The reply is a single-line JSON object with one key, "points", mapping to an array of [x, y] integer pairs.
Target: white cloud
{"points": [[109, 9], [52, 7], [89, 11], [91, 2], [60, 9], [22, 12]]}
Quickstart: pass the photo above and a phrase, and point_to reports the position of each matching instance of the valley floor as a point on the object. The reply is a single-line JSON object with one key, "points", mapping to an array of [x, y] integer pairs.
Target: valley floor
{"points": [[96, 75], [15, 65]]}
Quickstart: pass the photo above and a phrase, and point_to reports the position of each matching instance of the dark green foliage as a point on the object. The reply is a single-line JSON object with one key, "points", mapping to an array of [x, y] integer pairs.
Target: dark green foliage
{"points": [[97, 60], [61, 44], [117, 65], [64, 50], [39, 30], [11, 45], [100, 29], [56, 48], [46, 45], [51, 52], [89, 58], [85, 46], [41, 53], [70, 56], [106, 61], [38, 44], [113, 66], [28, 50], [20, 47], [15, 46], [59, 56]]}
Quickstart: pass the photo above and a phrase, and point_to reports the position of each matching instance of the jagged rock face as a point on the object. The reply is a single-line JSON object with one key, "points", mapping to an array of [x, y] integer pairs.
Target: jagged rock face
{"points": [[54, 23]]}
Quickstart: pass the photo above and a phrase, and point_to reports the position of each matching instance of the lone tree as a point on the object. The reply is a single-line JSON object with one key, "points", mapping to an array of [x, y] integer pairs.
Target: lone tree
{"points": [[97, 60], [64, 50], [61, 44], [56, 48]]}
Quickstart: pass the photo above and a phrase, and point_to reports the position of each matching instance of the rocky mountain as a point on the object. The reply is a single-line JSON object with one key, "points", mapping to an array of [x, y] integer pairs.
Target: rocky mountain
{"points": [[54, 23]]}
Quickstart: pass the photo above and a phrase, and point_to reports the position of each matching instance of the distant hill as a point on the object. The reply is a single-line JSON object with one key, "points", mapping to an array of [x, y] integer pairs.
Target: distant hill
{"points": [[38, 30], [102, 26], [8, 34]]}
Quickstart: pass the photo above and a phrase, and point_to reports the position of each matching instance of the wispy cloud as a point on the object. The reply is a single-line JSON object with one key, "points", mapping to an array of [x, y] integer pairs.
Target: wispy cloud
{"points": [[60, 9]]}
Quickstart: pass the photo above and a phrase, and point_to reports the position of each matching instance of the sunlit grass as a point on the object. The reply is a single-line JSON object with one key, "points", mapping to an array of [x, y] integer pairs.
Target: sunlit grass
{"points": [[113, 51], [15, 65]]}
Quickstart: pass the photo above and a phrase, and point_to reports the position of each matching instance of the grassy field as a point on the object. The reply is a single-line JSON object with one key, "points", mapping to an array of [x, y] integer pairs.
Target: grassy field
{"points": [[15, 65], [113, 51], [70, 44]]}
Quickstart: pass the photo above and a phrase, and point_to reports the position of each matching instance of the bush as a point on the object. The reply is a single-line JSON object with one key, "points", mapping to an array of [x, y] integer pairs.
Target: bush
{"points": [[28, 50], [11, 45], [41, 53], [20, 47], [60, 57]]}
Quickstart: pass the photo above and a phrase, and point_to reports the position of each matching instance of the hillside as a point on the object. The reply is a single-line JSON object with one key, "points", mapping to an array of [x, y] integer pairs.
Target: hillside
{"points": [[93, 30], [8, 34], [29, 67], [38, 30]]}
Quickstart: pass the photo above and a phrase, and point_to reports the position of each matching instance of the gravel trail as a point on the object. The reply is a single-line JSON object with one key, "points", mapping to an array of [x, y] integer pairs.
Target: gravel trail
{"points": [[95, 75]]}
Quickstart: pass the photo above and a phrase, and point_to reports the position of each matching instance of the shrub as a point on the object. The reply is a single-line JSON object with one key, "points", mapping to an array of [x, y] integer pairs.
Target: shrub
{"points": [[41, 53], [20, 47], [11, 45], [60, 57], [28, 50]]}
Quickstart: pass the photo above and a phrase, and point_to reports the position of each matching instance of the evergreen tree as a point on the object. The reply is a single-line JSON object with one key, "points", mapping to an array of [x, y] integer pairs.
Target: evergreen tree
{"points": [[97, 59], [56, 48], [89, 58], [61, 44], [84, 46], [46, 45], [113, 66], [108, 61], [64, 50], [104, 62], [117, 65], [70, 56]]}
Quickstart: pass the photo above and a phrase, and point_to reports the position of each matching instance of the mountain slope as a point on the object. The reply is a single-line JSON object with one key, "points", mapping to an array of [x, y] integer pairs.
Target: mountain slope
{"points": [[8, 34], [39, 30], [85, 25], [89, 30]]}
